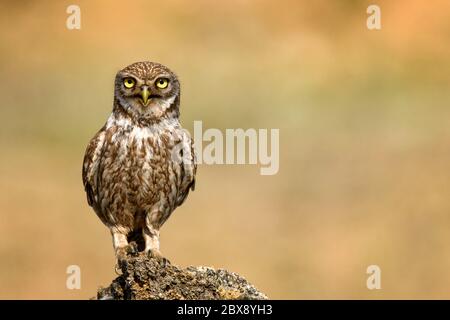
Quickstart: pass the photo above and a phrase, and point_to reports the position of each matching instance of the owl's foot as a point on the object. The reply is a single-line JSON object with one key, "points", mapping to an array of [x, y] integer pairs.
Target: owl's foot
{"points": [[156, 254], [132, 248], [123, 253]]}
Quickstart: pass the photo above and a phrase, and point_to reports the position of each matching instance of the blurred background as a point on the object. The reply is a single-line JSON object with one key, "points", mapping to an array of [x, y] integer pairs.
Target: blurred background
{"points": [[364, 123]]}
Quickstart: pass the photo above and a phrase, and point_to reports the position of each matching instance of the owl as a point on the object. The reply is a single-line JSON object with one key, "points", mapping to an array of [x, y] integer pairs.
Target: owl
{"points": [[141, 165]]}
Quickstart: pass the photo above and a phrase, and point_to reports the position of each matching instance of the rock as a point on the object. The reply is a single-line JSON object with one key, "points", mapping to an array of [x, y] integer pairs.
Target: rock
{"points": [[150, 278]]}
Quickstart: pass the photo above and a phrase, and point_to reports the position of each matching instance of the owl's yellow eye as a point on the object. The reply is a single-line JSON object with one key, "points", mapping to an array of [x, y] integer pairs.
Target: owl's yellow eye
{"points": [[129, 83], [162, 83]]}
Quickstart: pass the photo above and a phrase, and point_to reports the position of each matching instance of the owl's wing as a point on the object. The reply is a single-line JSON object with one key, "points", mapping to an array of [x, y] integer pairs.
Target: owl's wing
{"points": [[90, 166], [188, 168]]}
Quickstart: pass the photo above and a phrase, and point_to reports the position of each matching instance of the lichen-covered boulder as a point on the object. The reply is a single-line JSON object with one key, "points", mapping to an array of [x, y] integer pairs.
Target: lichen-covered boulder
{"points": [[149, 278]]}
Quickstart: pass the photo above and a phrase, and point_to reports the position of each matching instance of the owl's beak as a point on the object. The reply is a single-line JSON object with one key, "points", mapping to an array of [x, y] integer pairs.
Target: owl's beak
{"points": [[145, 93]]}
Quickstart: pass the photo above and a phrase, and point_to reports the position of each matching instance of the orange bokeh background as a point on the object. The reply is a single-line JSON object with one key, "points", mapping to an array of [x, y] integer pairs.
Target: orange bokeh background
{"points": [[364, 123]]}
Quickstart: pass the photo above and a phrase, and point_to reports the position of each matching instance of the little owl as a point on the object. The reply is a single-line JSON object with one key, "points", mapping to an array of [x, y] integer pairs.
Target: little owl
{"points": [[141, 165]]}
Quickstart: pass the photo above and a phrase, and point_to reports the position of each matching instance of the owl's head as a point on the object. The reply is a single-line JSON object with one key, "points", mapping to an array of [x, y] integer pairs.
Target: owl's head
{"points": [[147, 91]]}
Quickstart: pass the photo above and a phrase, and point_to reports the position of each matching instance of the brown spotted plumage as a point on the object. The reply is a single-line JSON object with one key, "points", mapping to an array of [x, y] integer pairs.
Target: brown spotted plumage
{"points": [[141, 165]]}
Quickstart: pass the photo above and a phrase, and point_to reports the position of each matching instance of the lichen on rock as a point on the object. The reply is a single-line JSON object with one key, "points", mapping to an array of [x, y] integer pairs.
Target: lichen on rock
{"points": [[150, 278]]}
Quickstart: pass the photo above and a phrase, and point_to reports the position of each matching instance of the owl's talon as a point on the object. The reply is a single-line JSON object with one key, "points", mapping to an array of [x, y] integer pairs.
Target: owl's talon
{"points": [[156, 254], [132, 248], [121, 255], [165, 261], [117, 269]]}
